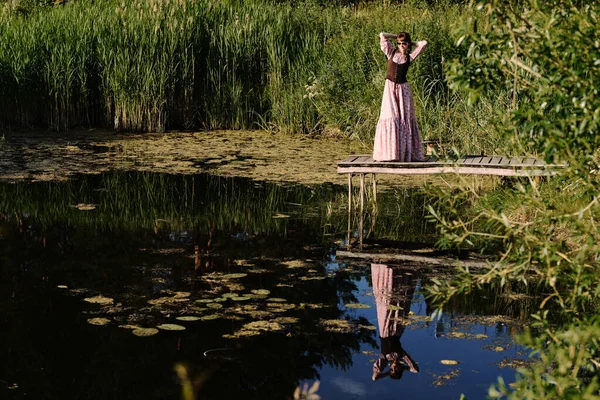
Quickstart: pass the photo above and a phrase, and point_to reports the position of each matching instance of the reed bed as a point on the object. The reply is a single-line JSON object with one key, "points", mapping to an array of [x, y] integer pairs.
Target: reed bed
{"points": [[228, 64]]}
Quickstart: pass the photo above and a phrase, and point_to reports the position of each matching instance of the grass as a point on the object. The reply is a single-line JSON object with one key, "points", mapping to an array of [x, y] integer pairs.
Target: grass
{"points": [[286, 66]]}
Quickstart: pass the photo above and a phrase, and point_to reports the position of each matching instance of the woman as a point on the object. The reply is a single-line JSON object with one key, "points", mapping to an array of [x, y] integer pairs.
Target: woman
{"points": [[393, 291], [397, 137]]}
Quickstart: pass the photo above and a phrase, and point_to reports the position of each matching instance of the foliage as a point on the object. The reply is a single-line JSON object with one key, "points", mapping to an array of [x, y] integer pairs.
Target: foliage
{"points": [[546, 232]]}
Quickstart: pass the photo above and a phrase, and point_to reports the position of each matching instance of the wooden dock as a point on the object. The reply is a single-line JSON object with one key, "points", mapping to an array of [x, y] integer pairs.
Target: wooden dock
{"points": [[406, 256], [472, 164]]}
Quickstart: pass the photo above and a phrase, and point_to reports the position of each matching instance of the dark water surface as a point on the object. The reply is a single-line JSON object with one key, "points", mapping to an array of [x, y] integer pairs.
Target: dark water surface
{"points": [[256, 262]]}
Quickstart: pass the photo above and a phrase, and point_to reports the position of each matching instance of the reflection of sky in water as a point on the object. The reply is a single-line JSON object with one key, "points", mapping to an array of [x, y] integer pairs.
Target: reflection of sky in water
{"points": [[427, 345]]}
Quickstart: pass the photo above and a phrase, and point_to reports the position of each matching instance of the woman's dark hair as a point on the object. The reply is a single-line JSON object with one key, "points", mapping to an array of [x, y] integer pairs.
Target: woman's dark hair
{"points": [[397, 374], [406, 37]]}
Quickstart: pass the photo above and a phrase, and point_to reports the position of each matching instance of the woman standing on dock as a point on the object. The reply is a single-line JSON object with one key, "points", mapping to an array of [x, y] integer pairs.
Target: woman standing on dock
{"points": [[397, 137]]}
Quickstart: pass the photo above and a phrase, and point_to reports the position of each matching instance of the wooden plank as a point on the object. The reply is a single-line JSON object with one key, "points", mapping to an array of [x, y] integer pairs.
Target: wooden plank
{"points": [[505, 166], [410, 257], [495, 160], [368, 159], [472, 160], [462, 160], [472, 170], [515, 161], [398, 165], [348, 159]]}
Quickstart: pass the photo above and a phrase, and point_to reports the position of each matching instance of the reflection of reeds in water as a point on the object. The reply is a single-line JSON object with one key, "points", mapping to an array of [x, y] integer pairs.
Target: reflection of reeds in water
{"points": [[516, 301], [399, 214], [161, 201], [156, 201]]}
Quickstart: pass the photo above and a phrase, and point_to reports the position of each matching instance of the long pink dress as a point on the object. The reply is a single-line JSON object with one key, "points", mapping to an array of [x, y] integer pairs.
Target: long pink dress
{"points": [[391, 287], [397, 136]]}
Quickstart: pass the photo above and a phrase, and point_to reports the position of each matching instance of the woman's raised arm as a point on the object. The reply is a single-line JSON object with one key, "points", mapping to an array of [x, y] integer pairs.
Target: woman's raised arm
{"points": [[419, 46], [385, 35], [386, 46]]}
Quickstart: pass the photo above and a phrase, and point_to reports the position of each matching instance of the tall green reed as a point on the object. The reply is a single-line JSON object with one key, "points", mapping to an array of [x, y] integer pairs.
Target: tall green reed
{"points": [[230, 64]]}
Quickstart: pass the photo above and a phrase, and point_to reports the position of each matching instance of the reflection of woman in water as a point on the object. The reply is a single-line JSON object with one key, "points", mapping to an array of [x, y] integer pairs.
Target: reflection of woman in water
{"points": [[393, 294]]}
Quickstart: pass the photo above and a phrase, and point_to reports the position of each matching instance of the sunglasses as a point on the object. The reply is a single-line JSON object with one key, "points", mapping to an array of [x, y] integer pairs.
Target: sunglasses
{"points": [[403, 42]]}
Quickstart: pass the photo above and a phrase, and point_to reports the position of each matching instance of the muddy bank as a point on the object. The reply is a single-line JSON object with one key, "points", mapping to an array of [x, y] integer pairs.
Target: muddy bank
{"points": [[43, 156]]}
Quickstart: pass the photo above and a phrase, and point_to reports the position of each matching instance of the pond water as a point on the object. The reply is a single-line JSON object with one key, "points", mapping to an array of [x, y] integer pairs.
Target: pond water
{"points": [[255, 270]]}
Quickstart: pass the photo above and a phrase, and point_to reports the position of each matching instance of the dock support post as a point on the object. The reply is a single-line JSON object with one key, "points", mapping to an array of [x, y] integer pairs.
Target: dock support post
{"points": [[360, 229], [374, 176], [349, 192], [349, 210], [362, 192]]}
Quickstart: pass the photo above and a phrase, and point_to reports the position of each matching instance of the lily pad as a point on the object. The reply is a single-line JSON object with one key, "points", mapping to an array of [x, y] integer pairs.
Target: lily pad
{"points": [[210, 317], [312, 278], [241, 333], [143, 332], [167, 300], [263, 326], [257, 296], [276, 216], [129, 326], [234, 276], [368, 327], [171, 327], [99, 300], [188, 318], [62, 286], [261, 292], [235, 287], [240, 298], [336, 325], [259, 271], [84, 207], [280, 306], [277, 300], [98, 321], [449, 362], [295, 264], [357, 305], [214, 305], [286, 320], [258, 313]]}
